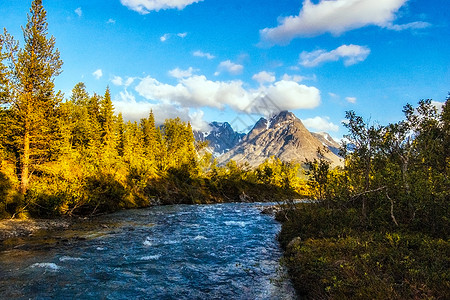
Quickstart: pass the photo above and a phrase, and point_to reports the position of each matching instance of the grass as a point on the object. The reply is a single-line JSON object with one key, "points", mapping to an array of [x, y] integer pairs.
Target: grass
{"points": [[329, 255]]}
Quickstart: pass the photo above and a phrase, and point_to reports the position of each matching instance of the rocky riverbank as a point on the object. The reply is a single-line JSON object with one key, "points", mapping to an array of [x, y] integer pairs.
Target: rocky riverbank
{"points": [[11, 228]]}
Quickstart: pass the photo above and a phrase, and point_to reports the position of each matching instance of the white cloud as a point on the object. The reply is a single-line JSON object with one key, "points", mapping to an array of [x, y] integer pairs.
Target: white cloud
{"points": [[133, 110], [298, 78], [412, 25], [98, 74], [351, 99], [439, 105], [290, 95], [129, 81], [333, 95], [79, 12], [164, 37], [197, 122], [229, 67], [178, 73], [351, 54], [263, 77], [111, 21], [333, 16], [126, 96], [195, 91], [199, 53], [145, 6], [198, 91], [320, 124], [117, 80]]}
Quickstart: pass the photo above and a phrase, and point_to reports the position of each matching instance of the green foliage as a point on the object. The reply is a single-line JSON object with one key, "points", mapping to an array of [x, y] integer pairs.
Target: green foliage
{"points": [[371, 266], [278, 173], [394, 175], [379, 227]]}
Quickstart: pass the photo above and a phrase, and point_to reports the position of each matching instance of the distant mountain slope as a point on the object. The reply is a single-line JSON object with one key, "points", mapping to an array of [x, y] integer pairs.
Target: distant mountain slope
{"points": [[327, 141], [221, 138], [283, 136]]}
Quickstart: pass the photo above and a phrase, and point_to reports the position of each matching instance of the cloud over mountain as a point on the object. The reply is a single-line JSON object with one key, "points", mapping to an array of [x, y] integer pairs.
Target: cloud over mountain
{"points": [[198, 91], [320, 124], [134, 110]]}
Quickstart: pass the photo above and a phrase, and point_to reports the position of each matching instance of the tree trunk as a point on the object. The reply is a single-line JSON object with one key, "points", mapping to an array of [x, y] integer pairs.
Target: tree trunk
{"points": [[24, 172]]}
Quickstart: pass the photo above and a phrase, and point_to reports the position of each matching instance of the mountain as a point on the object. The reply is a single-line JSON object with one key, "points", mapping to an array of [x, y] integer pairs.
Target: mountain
{"points": [[283, 136], [221, 138], [327, 141]]}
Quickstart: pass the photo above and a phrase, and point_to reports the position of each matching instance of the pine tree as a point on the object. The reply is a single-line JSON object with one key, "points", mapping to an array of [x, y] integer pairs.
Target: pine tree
{"points": [[107, 121], [178, 149], [28, 89], [151, 141], [82, 127], [155, 137], [121, 142], [79, 95], [95, 121]]}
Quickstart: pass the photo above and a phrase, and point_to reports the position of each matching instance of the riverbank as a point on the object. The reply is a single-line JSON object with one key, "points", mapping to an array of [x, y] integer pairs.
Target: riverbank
{"points": [[330, 255], [11, 228], [15, 228]]}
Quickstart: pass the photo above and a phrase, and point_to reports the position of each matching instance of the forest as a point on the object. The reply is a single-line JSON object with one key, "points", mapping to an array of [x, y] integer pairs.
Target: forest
{"points": [[75, 156], [377, 228]]}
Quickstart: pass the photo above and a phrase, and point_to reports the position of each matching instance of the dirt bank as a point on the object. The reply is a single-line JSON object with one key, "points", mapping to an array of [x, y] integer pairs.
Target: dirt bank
{"points": [[22, 228]]}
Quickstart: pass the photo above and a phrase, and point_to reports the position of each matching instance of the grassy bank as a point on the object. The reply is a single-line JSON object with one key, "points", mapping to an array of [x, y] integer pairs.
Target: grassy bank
{"points": [[330, 255]]}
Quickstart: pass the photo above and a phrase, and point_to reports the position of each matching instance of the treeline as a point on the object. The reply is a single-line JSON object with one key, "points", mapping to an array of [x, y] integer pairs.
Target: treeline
{"points": [[380, 226]]}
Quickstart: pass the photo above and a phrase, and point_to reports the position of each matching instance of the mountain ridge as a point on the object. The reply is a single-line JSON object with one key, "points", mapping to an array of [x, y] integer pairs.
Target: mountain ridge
{"points": [[283, 136]]}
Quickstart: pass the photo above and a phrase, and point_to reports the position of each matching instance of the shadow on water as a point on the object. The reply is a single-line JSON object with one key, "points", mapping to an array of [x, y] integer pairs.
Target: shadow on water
{"points": [[224, 251]]}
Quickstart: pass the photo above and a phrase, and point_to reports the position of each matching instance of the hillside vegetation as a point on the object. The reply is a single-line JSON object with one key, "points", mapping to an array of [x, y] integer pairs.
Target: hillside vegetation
{"points": [[379, 228]]}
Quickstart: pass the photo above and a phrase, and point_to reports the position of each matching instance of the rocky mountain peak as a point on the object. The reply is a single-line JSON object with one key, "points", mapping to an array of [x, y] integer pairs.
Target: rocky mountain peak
{"points": [[282, 117], [283, 136], [221, 137]]}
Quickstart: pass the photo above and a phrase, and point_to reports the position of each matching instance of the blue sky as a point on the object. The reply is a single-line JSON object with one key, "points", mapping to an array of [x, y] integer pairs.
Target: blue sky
{"points": [[227, 60]]}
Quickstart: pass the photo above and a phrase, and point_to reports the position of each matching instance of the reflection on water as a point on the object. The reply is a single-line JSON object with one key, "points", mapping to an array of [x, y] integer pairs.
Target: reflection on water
{"points": [[224, 251]]}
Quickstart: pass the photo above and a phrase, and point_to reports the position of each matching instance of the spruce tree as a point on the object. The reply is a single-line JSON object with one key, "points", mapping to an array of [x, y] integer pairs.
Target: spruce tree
{"points": [[107, 121], [95, 121], [82, 128], [27, 87], [120, 133], [155, 137]]}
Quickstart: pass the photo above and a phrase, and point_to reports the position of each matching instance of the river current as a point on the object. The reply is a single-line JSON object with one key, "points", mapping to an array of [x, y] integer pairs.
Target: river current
{"points": [[222, 251]]}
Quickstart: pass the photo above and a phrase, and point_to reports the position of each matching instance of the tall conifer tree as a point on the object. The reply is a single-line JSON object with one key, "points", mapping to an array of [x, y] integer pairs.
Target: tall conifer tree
{"points": [[28, 88], [107, 121]]}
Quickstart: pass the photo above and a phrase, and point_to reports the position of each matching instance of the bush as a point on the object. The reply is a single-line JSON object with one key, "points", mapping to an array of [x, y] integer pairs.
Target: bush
{"points": [[105, 193], [329, 255]]}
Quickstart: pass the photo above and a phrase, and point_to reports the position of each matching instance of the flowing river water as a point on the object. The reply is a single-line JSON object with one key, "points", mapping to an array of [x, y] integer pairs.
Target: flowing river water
{"points": [[222, 251]]}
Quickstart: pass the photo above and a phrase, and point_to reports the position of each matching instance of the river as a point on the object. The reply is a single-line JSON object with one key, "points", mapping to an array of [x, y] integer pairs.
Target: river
{"points": [[221, 251]]}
